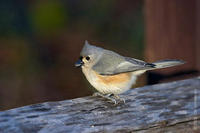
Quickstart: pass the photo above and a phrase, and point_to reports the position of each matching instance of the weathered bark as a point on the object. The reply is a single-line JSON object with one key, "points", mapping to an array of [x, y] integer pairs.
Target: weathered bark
{"points": [[169, 107]]}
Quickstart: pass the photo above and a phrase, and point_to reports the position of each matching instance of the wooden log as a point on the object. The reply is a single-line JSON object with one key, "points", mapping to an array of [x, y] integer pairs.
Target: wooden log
{"points": [[169, 107]]}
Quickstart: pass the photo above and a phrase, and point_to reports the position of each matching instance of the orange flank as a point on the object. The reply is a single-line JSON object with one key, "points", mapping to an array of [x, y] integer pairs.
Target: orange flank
{"points": [[114, 79]]}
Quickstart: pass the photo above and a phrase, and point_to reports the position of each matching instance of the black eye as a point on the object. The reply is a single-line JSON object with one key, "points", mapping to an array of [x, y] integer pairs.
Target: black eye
{"points": [[87, 58]]}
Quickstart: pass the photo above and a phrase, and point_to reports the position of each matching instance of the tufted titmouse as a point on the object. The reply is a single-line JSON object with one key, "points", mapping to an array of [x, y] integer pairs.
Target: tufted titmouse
{"points": [[112, 74]]}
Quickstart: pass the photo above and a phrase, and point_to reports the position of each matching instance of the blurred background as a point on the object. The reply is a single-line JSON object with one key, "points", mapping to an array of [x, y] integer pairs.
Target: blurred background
{"points": [[40, 41]]}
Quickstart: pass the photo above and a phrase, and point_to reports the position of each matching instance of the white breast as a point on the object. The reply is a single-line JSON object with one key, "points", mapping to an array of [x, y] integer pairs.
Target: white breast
{"points": [[109, 88]]}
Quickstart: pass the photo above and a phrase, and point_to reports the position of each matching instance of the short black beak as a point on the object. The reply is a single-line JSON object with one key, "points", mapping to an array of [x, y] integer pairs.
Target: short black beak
{"points": [[79, 63]]}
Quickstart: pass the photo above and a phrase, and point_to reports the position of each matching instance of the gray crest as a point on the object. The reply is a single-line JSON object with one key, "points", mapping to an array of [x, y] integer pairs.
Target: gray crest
{"points": [[90, 49]]}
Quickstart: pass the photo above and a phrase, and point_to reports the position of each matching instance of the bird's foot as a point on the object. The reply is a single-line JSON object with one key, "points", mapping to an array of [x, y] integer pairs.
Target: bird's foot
{"points": [[120, 99], [111, 97]]}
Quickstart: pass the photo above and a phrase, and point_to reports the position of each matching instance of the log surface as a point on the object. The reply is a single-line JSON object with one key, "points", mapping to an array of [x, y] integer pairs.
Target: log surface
{"points": [[168, 107]]}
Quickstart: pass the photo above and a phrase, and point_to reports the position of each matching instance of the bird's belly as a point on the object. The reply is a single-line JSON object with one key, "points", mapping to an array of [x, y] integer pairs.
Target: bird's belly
{"points": [[114, 84]]}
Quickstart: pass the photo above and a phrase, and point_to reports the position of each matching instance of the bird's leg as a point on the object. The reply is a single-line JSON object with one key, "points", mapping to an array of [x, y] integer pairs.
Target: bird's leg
{"points": [[97, 94], [106, 96], [115, 98], [112, 97]]}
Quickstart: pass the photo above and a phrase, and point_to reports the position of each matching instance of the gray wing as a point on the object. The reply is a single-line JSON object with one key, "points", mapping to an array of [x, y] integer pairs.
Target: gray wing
{"points": [[113, 63]]}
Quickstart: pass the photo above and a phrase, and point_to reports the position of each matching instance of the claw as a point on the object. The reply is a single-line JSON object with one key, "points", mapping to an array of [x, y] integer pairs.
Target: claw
{"points": [[111, 97], [120, 99], [123, 100]]}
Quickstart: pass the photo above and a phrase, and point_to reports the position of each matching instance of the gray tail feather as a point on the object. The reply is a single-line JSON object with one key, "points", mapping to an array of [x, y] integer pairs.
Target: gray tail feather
{"points": [[167, 63]]}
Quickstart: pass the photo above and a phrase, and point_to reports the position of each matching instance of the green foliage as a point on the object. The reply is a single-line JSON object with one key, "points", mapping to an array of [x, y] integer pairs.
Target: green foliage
{"points": [[48, 17]]}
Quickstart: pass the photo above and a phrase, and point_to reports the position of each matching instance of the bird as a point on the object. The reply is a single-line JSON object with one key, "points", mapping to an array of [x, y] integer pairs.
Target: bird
{"points": [[112, 74]]}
